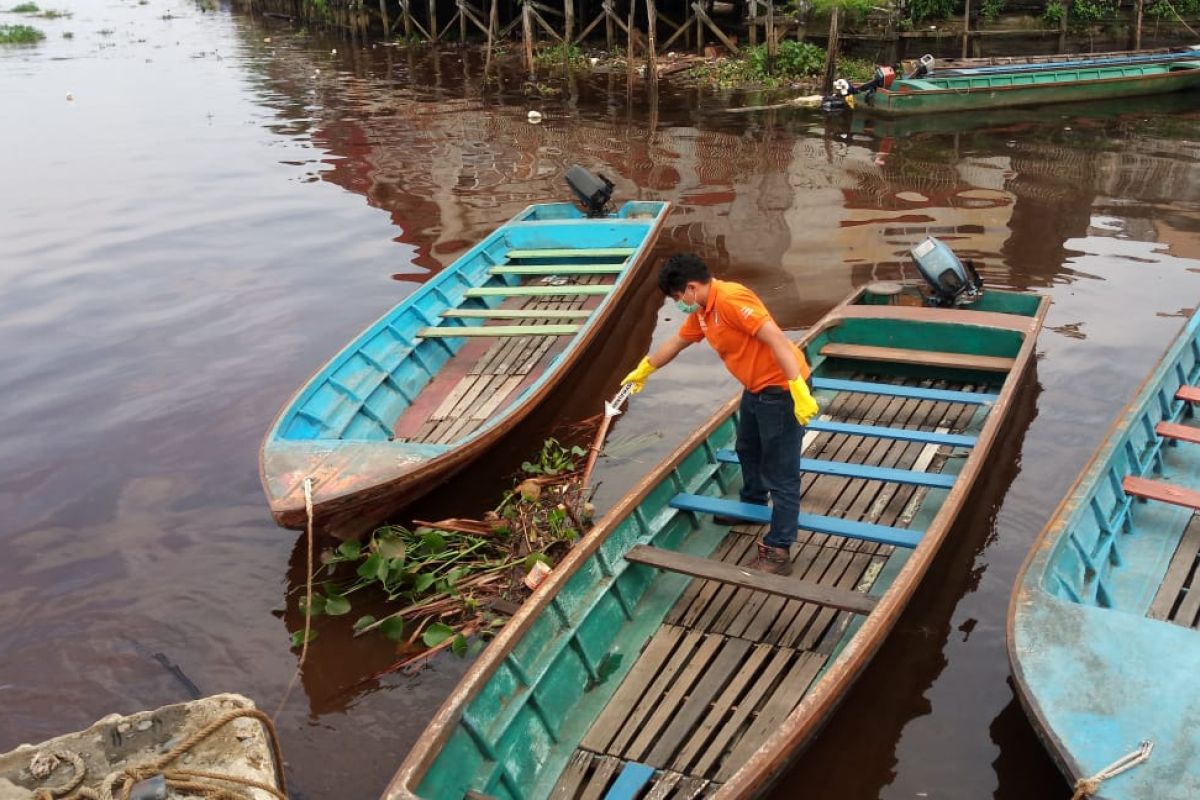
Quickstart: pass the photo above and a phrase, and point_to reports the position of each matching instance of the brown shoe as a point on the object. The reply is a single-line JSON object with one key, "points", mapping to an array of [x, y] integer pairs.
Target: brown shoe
{"points": [[775, 560]]}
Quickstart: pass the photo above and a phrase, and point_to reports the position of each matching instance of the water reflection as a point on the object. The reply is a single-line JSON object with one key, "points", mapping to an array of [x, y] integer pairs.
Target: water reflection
{"points": [[195, 234]]}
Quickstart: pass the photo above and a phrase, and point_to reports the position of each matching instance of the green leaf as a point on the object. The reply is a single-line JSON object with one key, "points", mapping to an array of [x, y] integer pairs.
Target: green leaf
{"points": [[457, 575], [364, 621], [317, 608], [578, 451], [336, 605], [459, 646], [423, 582], [533, 558], [436, 633], [374, 568], [349, 549], [433, 542], [298, 637], [393, 628]]}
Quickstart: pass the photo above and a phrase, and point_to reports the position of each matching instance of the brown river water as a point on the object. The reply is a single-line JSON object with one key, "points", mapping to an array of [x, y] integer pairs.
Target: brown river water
{"points": [[198, 209]]}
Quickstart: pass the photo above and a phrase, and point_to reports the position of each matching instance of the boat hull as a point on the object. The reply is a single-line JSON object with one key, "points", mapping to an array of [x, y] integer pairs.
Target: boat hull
{"points": [[1100, 658], [982, 98], [532, 715]]}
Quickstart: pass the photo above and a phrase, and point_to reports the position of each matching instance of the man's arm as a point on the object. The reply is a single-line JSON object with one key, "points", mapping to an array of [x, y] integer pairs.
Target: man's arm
{"points": [[770, 335], [666, 352]]}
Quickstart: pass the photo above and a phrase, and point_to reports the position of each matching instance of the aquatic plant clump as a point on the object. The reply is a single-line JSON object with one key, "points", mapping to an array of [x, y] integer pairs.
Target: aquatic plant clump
{"points": [[456, 578], [20, 34], [25, 8]]}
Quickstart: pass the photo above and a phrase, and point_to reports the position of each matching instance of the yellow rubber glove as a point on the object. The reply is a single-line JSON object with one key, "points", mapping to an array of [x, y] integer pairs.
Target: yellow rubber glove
{"points": [[802, 400], [639, 375]]}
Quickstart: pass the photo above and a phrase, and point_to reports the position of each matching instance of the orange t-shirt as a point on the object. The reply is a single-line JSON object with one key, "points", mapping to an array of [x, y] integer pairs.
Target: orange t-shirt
{"points": [[730, 321]]}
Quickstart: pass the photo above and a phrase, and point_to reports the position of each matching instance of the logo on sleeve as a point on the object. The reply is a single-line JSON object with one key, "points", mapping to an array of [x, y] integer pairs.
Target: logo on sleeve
{"points": [[747, 311]]}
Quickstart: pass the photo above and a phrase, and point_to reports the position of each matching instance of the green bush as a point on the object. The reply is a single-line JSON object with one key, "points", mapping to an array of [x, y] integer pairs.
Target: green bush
{"points": [[792, 60], [990, 9], [552, 55], [20, 34], [1053, 15], [1085, 13], [920, 10], [25, 8]]}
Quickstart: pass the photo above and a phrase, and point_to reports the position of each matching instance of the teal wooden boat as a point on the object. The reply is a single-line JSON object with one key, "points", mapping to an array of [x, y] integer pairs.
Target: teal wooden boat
{"points": [[978, 92], [1102, 627], [445, 373], [650, 663]]}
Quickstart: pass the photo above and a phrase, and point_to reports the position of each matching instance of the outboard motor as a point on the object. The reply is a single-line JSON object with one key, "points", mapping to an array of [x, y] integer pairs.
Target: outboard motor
{"points": [[844, 91], [923, 68], [594, 192], [953, 283]]}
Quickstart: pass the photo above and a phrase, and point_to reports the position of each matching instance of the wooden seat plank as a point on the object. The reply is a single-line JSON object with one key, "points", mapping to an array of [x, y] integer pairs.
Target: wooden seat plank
{"points": [[606, 767], [1164, 492], [750, 579], [464, 331], [515, 313], [897, 390], [540, 291], [559, 269], [571, 252], [928, 358], [1182, 565], [1190, 394], [869, 472], [572, 776], [1173, 430]]}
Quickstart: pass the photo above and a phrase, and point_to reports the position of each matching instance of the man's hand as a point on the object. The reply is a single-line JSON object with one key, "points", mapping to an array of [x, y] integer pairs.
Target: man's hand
{"points": [[639, 375], [802, 401]]}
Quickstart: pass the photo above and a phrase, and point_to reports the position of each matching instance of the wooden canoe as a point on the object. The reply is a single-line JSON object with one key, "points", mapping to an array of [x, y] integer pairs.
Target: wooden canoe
{"points": [[446, 372], [650, 663], [1104, 622], [979, 92]]}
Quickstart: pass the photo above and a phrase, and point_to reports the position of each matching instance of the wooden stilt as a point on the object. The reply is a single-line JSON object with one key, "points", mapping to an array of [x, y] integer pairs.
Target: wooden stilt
{"points": [[491, 34], [1137, 25], [966, 39], [630, 49], [462, 22], [432, 21], [569, 33], [831, 56], [651, 43], [772, 42], [699, 36], [608, 24], [753, 22], [527, 35], [383, 17], [702, 17]]}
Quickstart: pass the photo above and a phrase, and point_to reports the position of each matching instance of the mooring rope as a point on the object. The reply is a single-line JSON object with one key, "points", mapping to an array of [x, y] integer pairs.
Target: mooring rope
{"points": [[308, 594], [1086, 787], [198, 782]]}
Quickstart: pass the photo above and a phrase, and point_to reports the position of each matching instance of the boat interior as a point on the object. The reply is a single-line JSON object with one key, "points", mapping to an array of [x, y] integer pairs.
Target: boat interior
{"points": [[661, 663], [1133, 545], [478, 335]]}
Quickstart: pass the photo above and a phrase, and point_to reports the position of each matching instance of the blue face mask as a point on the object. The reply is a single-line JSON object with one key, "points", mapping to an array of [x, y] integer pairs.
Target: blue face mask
{"points": [[687, 308]]}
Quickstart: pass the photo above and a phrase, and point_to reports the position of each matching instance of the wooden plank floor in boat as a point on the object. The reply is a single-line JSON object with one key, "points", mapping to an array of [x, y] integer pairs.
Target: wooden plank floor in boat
{"points": [[1178, 598], [729, 664], [486, 373]]}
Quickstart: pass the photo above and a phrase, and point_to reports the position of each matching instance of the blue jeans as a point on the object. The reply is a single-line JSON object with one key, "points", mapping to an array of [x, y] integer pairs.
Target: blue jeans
{"points": [[768, 447]]}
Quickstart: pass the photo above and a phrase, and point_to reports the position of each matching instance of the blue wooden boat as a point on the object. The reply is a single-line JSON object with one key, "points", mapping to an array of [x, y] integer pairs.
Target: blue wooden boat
{"points": [[446, 372], [652, 664], [1102, 627], [991, 66]]}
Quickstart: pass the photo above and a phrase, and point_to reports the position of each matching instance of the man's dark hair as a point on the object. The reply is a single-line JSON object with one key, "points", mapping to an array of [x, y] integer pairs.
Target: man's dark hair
{"points": [[679, 270]]}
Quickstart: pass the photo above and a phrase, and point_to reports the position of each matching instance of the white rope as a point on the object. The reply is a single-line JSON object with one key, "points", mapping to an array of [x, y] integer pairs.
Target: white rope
{"points": [[1086, 787]]}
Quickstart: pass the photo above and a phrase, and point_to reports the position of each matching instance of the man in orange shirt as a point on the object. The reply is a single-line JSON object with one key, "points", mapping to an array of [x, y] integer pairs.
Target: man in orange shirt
{"points": [[776, 403]]}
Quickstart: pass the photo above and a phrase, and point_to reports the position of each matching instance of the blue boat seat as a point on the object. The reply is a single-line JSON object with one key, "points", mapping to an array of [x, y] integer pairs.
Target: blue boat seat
{"points": [[899, 434], [844, 469], [911, 392], [631, 780], [836, 526]]}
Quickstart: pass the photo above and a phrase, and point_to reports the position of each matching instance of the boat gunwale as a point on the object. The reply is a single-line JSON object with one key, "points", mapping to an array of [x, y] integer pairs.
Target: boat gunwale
{"points": [[1027, 586], [778, 750], [289, 510]]}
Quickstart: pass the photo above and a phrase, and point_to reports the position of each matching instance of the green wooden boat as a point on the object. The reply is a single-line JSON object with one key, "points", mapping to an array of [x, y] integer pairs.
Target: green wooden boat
{"points": [[650, 664], [933, 94]]}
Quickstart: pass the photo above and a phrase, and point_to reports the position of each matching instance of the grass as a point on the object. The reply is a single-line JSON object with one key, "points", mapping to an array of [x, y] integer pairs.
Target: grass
{"points": [[20, 34], [552, 56], [794, 62]]}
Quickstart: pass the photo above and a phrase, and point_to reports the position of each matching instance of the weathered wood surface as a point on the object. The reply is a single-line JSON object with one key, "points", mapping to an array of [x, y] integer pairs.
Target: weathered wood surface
{"points": [[928, 358]]}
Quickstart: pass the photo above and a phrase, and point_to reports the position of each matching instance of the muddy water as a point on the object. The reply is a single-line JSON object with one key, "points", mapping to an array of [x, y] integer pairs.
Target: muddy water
{"points": [[199, 208]]}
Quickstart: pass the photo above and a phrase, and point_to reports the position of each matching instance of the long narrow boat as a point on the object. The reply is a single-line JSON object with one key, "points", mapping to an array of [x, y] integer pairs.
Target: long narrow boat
{"points": [[442, 375], [1103, 625], [650, 664], [978, 92]]}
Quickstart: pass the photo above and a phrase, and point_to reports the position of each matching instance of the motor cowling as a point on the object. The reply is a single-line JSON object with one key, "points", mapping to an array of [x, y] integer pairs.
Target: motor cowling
{"points": [[952, 282]]}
